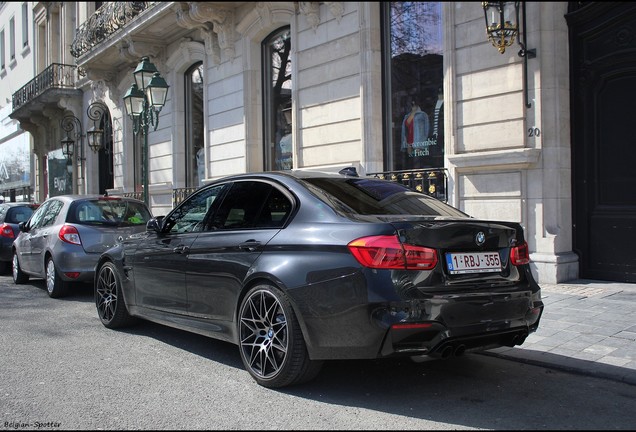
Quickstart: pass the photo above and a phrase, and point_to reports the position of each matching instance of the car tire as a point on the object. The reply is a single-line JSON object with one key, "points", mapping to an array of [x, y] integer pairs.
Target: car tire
{"points": [[19, 277], [55, 286], [271, 343], [109, 298], [3, 267]]}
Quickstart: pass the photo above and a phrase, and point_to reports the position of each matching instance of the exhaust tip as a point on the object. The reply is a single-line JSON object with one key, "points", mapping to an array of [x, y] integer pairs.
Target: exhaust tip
{"points": [[447, 351], [460, 350]]}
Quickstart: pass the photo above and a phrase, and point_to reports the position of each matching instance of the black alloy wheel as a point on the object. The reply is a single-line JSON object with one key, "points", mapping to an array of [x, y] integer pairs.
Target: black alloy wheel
{"points": [[271, 344], [109, 298]]}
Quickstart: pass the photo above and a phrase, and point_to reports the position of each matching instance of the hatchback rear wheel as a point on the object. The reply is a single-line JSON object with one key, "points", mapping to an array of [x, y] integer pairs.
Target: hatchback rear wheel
{"points": [[55, 286], [19, 277], [109, 298], [272, 346]]}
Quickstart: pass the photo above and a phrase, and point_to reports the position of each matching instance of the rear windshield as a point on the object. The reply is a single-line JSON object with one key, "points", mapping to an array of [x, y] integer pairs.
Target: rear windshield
{"points": [[378, 197], [108, 212], [18, 214]]}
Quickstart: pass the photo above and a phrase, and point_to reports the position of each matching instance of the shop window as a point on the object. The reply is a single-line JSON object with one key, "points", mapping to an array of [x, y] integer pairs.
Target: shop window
{"points": [[277, 101], [414, 98], [194, 147]]}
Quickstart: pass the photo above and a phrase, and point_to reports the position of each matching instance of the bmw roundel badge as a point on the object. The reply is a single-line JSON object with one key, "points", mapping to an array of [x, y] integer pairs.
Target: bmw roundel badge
{"points": [[480, 238]]}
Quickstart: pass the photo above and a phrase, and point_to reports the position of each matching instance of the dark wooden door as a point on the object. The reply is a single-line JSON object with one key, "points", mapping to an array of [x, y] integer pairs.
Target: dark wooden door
{"points": [[603, 83]]}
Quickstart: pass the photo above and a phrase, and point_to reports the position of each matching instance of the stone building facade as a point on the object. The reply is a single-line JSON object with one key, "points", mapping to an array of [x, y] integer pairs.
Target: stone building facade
{"points": [[412, 91]]}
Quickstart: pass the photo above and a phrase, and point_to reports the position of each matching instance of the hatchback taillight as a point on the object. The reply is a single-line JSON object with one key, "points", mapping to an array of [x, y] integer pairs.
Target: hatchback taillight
{"points": [[6, 231], [69, 234], [519, 254], [386, 252]]}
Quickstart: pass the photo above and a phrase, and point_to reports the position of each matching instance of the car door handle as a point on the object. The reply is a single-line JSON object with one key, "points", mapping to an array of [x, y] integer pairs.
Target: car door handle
{"points": [[250, 245], [181, 249]]}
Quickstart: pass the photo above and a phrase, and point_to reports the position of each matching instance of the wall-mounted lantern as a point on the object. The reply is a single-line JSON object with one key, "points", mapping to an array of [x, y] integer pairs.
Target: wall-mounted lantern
{"points": [[503, 27]]}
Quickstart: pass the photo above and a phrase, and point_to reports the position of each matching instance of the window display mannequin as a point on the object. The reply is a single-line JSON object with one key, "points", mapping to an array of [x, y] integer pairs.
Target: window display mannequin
{"points": [[415, 128]]}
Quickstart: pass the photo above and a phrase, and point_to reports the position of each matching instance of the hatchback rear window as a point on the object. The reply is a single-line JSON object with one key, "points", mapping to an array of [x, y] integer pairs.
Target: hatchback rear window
{"points": [[379, 197], [16, 215], [108, 212]]}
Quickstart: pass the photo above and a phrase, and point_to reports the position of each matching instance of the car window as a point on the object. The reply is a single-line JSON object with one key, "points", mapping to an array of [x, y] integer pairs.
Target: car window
{"points": [[108, 211], [378, 197], [18, 214], [252, 204], [190, 215], [53, 210], [38, 215]]}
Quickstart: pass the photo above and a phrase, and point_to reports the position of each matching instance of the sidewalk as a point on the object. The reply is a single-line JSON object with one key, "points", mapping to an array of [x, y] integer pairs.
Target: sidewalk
{"points": [[587, 327]]}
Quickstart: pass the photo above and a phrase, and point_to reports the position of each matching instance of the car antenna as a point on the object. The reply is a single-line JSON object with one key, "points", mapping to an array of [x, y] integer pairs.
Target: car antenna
{"points": [[349, 171]]}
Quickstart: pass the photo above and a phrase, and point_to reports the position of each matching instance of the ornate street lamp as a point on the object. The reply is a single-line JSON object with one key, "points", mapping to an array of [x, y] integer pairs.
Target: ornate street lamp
{"points": [[144, 100]]}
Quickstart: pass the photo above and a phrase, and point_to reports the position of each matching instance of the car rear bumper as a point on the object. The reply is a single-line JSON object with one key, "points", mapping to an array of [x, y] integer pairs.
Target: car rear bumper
{"points": [[74, 266], [339, 321]]}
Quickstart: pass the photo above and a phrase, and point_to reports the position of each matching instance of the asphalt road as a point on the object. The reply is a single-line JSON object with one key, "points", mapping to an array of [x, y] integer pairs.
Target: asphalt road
{"points": [[61, 369]]}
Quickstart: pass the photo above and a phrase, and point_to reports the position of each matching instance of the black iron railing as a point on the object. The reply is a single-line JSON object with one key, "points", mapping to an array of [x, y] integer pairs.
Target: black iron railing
{"points": [[431, 181], [178, 194], [110, 18], [56, 76]]}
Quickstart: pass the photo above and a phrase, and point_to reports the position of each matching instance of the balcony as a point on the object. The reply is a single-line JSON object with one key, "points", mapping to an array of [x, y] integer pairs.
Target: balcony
{"points": [[109, 19], [55, 77]]}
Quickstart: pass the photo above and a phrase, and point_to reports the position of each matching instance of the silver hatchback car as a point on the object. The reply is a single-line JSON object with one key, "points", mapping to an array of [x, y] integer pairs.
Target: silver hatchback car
{"points": [[65, 236]]}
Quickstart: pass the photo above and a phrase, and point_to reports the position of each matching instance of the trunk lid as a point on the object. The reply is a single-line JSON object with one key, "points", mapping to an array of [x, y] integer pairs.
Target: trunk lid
{"points": [[469, 250]]}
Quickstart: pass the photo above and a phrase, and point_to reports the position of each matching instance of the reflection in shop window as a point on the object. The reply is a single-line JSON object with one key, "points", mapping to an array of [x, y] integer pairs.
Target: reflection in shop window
{"points": [[60, 173], [195, 157], [415, 83], [277, 101]]}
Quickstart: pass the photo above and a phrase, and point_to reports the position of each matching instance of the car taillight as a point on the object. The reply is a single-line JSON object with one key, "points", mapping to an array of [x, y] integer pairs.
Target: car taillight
{"points": [[69, 234], [386, 252], [6, 231], [519, 254]]}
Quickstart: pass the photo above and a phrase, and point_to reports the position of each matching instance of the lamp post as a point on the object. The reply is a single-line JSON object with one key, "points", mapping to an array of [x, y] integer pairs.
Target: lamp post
{"points": [[144, 100]]}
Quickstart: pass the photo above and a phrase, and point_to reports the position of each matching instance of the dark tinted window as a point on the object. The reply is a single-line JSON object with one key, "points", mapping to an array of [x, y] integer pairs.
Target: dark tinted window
{"points": [[252, 205], [378, 197], [18, 214], [190, 215]]}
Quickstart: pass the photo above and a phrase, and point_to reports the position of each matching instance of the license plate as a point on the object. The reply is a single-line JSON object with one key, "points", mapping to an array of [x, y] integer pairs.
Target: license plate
{"points": [[473, 262]]}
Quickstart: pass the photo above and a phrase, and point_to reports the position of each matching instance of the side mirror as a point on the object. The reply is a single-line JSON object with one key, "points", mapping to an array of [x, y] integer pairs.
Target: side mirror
{"points": [[23, 226], [154, 224]]}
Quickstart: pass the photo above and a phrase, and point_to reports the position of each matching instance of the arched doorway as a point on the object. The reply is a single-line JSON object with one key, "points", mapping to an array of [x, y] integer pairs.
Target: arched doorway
{"points": [[603, 84]]}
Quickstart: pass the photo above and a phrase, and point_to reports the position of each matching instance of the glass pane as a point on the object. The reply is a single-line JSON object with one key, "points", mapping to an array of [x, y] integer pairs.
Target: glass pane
{"points": [[195, 157], [278, 101], [417, 98], [60, 174]]}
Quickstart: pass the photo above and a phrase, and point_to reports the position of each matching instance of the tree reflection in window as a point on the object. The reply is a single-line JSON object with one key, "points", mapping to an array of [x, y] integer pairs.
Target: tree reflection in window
{"points": [[277, 101]]}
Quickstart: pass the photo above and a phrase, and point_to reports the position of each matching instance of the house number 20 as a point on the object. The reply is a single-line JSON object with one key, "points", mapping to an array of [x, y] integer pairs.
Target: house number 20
{"points": [[534, 132]]}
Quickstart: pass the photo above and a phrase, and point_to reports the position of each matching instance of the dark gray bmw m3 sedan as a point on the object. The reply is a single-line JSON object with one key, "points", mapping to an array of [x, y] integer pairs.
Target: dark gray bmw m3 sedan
{"points": [[300, 267]]}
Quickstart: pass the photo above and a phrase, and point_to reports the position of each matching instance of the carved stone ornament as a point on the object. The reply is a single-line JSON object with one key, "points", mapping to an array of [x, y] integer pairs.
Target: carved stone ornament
{"points": [[336, 9], [194, 14], [311, 10]]}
